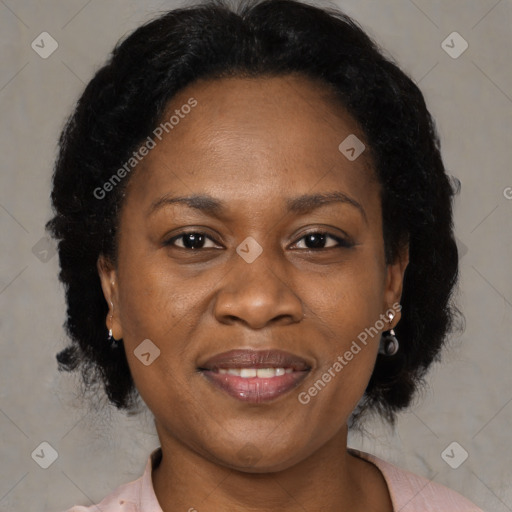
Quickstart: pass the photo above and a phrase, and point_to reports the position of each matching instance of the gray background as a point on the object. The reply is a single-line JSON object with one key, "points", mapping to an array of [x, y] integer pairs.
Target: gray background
{"points": [[469, 394]]}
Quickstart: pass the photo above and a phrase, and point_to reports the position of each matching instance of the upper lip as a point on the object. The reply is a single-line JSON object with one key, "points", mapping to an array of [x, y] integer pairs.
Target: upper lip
{"points": [[243, 358]]}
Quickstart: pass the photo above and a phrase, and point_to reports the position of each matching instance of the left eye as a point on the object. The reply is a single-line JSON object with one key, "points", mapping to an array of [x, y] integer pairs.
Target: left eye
{"points": [[317, 239]]}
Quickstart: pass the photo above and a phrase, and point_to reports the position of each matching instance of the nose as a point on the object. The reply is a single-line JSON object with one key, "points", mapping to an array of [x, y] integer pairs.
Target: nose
{"points": [[257, 294]]}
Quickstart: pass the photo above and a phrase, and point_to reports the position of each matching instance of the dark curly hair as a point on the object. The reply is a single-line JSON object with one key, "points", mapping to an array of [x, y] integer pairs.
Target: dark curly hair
{"points": [[126, 100]]}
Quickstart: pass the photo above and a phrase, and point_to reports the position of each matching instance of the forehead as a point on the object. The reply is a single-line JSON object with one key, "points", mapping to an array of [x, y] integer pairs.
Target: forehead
{"points": [[253, 138]]}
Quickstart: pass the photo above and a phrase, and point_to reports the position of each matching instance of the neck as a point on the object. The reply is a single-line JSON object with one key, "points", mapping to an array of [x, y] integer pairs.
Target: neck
{"points": [[330, 479]]}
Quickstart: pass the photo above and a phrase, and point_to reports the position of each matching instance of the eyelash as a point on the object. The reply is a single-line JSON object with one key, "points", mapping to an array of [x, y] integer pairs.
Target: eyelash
{"points": [[342, 243]]}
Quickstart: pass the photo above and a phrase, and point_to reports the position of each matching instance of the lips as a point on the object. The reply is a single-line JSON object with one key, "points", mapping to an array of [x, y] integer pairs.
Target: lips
{"points": [[255, 376], [255, 359]]}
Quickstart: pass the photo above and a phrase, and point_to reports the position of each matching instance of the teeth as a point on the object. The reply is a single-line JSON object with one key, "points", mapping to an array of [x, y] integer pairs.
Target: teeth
{"points": [[266, 373], [262, 373]]}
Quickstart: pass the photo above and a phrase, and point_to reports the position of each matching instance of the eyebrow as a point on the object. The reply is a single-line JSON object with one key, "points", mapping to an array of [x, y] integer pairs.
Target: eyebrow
{"points": [[299, 205]]}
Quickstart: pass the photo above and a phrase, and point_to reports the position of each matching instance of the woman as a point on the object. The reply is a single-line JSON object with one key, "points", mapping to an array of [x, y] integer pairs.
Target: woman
{"points": [[256, 238]]}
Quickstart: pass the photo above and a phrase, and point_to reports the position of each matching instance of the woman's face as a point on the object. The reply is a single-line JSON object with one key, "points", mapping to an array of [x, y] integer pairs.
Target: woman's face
{"points": [[255, 276]]}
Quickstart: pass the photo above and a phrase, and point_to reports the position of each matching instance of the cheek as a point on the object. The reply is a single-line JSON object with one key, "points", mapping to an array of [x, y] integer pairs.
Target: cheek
{"points": [[346, 311], [164, 306], [347, 359], [348, 300], [153, 300]]}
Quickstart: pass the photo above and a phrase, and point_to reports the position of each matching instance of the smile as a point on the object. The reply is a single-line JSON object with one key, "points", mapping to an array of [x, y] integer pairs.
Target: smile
{"points": [[261, 373], [255, 376]]}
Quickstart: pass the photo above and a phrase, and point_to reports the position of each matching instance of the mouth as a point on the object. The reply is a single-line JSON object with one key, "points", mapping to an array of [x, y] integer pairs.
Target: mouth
{"points": [[255, 376]]}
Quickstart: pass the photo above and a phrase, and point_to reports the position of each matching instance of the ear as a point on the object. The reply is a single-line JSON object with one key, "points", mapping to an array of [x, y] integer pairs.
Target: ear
{"points": [[108, 278], [394, 282]]}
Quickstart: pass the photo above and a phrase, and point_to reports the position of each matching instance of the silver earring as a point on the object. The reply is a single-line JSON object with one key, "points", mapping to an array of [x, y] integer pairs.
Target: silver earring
{"points": [[389, 344], [113, 342]]}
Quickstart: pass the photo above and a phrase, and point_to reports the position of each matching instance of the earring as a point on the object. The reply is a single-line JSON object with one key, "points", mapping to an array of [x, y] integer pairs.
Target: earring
{"points": [[113, 342], [389, 344]]}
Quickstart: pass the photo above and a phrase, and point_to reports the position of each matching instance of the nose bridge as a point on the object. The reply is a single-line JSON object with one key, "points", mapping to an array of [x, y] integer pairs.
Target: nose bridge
{"points": [[257, 265], [256, 290], [257, 270]]}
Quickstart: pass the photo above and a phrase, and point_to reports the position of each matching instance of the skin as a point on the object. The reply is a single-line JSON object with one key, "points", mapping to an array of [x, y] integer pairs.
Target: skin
{"points": [[252, 143]]}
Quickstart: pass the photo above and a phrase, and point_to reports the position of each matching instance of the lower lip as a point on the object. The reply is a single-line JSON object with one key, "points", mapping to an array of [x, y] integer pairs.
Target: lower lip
{"points": [[255, 389]]}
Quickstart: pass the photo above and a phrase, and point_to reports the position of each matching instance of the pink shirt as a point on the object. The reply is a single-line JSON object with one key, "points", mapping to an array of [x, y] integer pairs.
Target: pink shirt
{"points": [[409, 492]]}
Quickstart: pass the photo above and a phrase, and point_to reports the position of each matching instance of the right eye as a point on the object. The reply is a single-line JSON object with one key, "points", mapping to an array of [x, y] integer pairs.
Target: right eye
{"points": [[192, 240]]}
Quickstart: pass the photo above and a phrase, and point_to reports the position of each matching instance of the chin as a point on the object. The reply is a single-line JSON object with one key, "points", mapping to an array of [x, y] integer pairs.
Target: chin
{"points": [[251, 459]]}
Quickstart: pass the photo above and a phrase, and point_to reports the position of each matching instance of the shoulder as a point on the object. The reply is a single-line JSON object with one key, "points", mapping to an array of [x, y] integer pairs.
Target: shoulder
{"points": [[136, 496], [125, 498], [413, 493]]}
